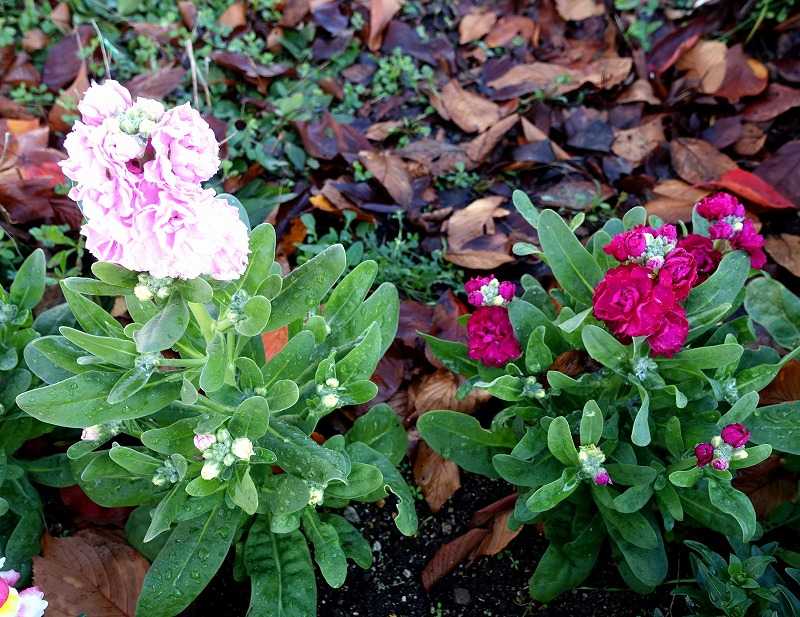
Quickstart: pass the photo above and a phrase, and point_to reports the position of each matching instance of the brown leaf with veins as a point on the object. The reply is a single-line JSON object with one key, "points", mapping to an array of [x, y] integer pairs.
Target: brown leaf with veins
{"points": [[785, 249], [390, 170], [743, 76], [509, 27], [751, 140], [437, 477], [157, 84], [437, 390], [673, 200], [705, 63], [235, 16], [67, 102], [475, 26], [481, 147], [450, 555], [500, 536], [558, 79], [470, 111], [380, 14], [768, 485], [779, 99], [784, 388], [474, 221], [94, 571], [697, 161], [780, 169], [636, 143]]}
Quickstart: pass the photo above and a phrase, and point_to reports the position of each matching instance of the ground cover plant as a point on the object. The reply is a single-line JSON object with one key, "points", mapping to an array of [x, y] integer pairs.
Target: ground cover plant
{"points": [[400, 130]]}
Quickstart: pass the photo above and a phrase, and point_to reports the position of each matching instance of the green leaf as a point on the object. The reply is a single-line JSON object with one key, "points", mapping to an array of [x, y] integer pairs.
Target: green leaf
{"points": [[360, 362], [165, 513], [348, 295], [262, 256], [406, 519], [355, 546], [573, 266], [460, 438], [282, 395], [190, 558], [741, 410], [686, 478], [758, 377], [81, 401], [90, 316], [27, 288], [53, 470], [778, 425], [255, 312], [632, 527], [134, 461], [251, 418], [305, 287], [722, 287], [129, 383], [525, 207], [714, 356], [606, 349], [537, 354], [380, 428], [550, 495], [776, 308], [291, 361], [165, 328], [640, 434], [281, 573], [178, 438], [212, 377], [591, 423], [383, 306], [108, 484], [328, 552], [560, 442], [363, 480], [114, 274], [301, 456], [452, 354], [697, 505], [53, 358], [735, 503], [116, 351], [243, 491], [565, 566], [647, 565]]}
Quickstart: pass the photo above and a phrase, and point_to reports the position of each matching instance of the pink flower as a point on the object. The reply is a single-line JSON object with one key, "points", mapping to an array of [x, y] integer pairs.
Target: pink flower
{"points": [[507, 290], [602, 478], [719, 205], [704, 453], [706, 257], [671, 335], [85, 162], [748, 239], [629, 244], [32, 603], [631, 302], [9, 577], [721, 230], [490, 337], [488, 291], [118, 146], [681, 270], [720, 464], [186, 150], [667, 231], [735, 435], [204, 442], [103, 101]]}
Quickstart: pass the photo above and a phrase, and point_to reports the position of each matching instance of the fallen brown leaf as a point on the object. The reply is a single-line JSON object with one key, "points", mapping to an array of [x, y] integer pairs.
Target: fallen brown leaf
{"points": [[697, 161], [640, 91], [450, 555], [558, 79], [470, 111], [472, 240], [673, 200], [785, 249], [779, 99], [67, 102], [380, 14], [780, 169], [578, 10], [437, 477], [636, 143], [509, 27], [293, 12], [475, 26], [753, 188], [235, 16], [437, 390], [705, 63], [743, 76], [391, 172], [500, 536], [94, 572], [157, 84], [481, 147], [751, 141], [768, 485]]}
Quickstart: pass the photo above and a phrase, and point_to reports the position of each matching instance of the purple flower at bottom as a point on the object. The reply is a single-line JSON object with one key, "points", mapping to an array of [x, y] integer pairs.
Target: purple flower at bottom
{"points": [[720, 463], [602, 478], [704, 453]]}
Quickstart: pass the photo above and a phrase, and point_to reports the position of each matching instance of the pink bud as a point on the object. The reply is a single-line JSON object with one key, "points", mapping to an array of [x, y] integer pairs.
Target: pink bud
{"points": [[204, 442], [10, 577], [4, 591], [602, 478], [475, 298], [507, 290], [735, 435], [475, 284], [719, 463], [704, 452]]}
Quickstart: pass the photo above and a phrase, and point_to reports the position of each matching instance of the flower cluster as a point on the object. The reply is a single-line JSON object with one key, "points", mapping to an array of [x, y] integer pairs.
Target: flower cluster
{"points": [[138, 170], [642, 297], [220, 451], [728, 446], [490, 336], [729, 229], [591, 459], [29, 602]]}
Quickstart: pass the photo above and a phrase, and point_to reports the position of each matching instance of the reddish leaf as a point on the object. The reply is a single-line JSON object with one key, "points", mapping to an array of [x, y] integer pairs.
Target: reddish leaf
{"points": [[743, 76], [785, 387], [63, 59], [781, 170], [235, 16], [87, 511], [157, 84], [767, 484], [500, 535], [67, 102], [669, 48], [487, 513], [93, 572], [274, 341], [697, 161], [779, 99], [450, 555], [753, 188]]}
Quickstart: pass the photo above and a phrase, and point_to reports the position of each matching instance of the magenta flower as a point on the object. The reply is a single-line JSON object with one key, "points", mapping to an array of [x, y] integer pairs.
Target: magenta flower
{"points": [[721, 230], [488, 291], [602, 478], [748, 239], [721, 464], [735, 435], [490, 337], [704, 453], [671, 335], [720, 205], [631, 302], [681, 268], [629, 244], [706, 257]]}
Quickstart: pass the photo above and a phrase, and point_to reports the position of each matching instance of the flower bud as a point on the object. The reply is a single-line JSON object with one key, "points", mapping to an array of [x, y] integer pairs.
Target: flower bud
{"points": [[330, 401], [142, 293], [163, 293], [332, 382], [735, 435], [146, 127], [243, 448], [229, 459], [739, 455], [159, 480], [315, 496], [210, 470], [704, 452], [204, 441], [720, 464], [602, 478], [223, 435], [716, 441], [91, 433]]}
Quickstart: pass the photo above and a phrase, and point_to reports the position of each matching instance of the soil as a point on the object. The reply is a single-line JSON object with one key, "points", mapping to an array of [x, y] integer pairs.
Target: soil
{"points": [[488, 587]]}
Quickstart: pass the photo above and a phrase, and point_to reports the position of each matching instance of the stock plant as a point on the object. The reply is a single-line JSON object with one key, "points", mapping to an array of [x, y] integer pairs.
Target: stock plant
{"points": [[183, 414], [631, 389]]}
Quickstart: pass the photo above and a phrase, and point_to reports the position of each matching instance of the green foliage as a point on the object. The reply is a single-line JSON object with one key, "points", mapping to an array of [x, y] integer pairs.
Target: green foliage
{"points": [[224, 452], [419, 275], [631, 416], [396, 72]]}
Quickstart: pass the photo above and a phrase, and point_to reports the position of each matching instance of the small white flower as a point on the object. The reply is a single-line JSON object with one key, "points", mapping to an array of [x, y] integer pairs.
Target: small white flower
{"points": [[332, 382], [150, 108], [716, 441], [159, 480], [739, 455], [229, 459], [210, 470], [204, 441], [315, 496], [223, 435], [91, 433], [143, 293], [146, 127], [243, 448], [163, 292], [330, 401]]}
